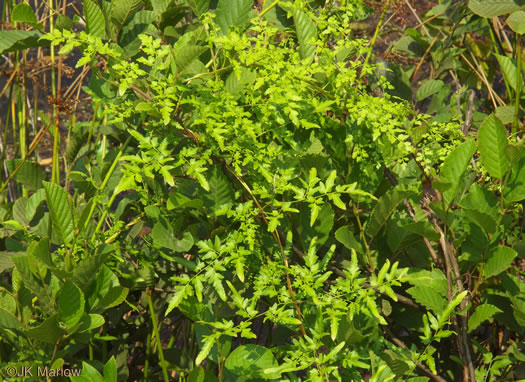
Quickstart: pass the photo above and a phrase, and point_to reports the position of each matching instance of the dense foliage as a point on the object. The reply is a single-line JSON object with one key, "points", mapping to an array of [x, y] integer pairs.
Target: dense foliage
{"points": [[257, 198]]}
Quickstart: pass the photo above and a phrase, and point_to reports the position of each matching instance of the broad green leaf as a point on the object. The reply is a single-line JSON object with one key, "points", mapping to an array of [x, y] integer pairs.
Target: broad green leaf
{"points": [[480, 199], [196, 375], [232, 13], [30, 174], [516, 22], [48, 331], [24, 265], [90, 373], [8, 320], [95, 21], [498, 260], [8, 302], [514, 153], [509, 71], [105, 279], [422, 228], [5, 259], [320, 229], [13, 40], [60, 210], [90, 321], [41, 252], [454, 168], [486, 222], [178, 200], [24, 13], [386, 205], [65, 23], [276, 16], [198, 6], [347, 238], [483, 312], [163, 236], [434, 279], [76, 142], [110, 370], [428, 297], [515, 188], [19, 211], [251, 361], [121, 10], [494, 8], [114, 297], [428, 88], [505, 114], [34, 201], [185, 55], [236, 82], [410, 46], [395, 362], [87, 268], [492, 139], [306, 33], [70, 303], [221, 193]]}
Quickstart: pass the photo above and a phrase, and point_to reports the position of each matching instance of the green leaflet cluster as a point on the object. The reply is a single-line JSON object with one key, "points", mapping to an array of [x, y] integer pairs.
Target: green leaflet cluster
{"points": [[267, 204]]}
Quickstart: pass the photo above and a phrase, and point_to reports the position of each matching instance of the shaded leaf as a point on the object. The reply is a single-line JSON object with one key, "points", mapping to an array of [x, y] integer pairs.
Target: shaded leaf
{"points": [[306, 33], [516, 22], [422, 228], [95, 21], [185, 55], [515, 188], [8, 320], [24, 13], [33, 202], [232, 13], [428, 88], [5, 259], [13, 40], [498, 260], [454, 168], [236, 82], [199, 6], [110, 370], [428, 297], [89, 373], [121, 10], [509, 71], [386, 205], [505, 114], [220, 195], [90, 321], [70, 304], [30, 174], [483, 312], [494, 8], [114, 297], [60, 210], [163, 236], [48, 331], [347, 238], [251, 361]]}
